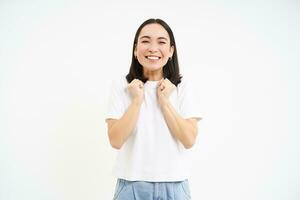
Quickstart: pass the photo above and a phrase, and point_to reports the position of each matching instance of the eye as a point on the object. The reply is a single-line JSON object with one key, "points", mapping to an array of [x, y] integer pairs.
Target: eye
{"points": [[145, 41], [162, 43]]}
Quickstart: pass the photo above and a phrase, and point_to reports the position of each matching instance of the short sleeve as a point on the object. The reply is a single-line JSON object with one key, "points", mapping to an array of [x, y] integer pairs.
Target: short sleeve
{"points": [[188, 100], [115, 104]]}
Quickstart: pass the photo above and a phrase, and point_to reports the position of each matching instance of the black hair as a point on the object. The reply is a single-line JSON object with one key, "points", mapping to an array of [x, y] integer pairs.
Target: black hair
{"points": [[171, 68]]}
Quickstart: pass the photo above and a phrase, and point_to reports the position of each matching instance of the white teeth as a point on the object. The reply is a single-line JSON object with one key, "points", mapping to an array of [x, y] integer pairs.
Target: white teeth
{"points": [[152, 58]]}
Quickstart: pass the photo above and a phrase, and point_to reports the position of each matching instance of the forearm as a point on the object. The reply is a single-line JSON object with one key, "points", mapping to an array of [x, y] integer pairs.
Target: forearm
{"points": [[124, 127], [180, 128]]}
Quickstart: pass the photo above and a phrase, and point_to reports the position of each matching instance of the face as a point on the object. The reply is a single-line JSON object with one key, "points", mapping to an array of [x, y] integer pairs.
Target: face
{"points": [[153, 47]]}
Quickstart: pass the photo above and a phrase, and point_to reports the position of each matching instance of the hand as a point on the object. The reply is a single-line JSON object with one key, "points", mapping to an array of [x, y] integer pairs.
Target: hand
{"points": [[136, 90], [164, 90]]}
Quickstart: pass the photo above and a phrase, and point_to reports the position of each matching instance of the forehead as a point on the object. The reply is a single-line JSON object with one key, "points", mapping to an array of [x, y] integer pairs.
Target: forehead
{"points": [[154, 31]]}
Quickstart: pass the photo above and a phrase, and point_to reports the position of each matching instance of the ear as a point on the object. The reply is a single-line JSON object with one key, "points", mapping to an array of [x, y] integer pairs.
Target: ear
{"points": [[134, 52], [171, 50]]}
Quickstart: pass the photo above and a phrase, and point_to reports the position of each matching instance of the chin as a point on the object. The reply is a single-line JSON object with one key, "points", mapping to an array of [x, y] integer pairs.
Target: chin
{"points": [[153, 68]]}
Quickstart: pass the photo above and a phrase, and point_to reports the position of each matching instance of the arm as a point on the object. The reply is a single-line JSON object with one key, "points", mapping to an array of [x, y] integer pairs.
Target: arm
{"points": [[185, 130], [120, 129]]}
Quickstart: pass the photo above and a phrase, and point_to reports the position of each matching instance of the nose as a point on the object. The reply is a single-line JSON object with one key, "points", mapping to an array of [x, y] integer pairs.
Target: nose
{"points": [[152, 47]]}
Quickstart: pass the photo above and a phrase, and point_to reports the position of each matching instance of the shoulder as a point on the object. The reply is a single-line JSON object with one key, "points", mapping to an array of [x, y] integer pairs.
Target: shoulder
{"points": [[118, 84]]}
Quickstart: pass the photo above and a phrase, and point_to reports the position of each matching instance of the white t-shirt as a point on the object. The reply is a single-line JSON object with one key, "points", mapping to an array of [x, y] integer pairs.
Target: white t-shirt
{"points": [[151, 153]]}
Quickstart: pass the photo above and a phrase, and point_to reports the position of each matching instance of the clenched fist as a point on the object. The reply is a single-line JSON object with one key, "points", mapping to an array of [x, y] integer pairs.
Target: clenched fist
{"points": [[136, 89], [164, 89]]}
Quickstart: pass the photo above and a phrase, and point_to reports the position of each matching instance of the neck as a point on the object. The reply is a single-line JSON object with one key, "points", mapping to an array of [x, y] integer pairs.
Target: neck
{"points": [[154, 75]]}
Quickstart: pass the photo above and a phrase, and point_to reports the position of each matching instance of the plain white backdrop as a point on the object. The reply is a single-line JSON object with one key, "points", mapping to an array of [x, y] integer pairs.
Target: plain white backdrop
{"points": [[57, 60]]}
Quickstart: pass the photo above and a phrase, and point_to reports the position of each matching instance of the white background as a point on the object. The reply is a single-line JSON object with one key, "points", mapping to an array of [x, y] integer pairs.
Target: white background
{"points": [[57, 60]]}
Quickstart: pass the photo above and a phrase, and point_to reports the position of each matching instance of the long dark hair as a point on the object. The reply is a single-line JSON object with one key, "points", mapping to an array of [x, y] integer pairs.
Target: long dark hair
{"points": [[170, 70]]}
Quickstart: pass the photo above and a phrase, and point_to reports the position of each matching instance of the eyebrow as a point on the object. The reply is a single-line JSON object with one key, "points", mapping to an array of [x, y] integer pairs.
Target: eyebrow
{"points": [[148, 37]]}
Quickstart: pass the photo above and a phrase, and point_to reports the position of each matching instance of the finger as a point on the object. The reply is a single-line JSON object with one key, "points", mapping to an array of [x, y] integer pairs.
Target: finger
{"points": [[167, 81], [160, 81], [141, 82], [137, 82]]}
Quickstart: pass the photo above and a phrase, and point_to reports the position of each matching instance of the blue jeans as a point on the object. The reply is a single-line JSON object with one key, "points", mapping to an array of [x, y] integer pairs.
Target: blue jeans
{"points": [[140, 190]]}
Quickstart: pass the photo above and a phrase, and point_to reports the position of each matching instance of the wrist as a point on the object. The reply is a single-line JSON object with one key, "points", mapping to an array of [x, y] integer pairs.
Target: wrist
{"points": [[163, 101], [137, 101]]}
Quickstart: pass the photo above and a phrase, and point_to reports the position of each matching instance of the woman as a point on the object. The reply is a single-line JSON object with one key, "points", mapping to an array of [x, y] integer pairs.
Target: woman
{"points": [[152, 120]]}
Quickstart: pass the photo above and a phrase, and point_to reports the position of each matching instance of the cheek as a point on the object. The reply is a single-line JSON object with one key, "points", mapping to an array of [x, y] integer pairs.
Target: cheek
{"points": [[166, 51], [141, 50]]}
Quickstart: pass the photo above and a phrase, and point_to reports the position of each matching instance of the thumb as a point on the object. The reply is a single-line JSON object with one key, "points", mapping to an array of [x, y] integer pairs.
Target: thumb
{"points": [[160, 81]]}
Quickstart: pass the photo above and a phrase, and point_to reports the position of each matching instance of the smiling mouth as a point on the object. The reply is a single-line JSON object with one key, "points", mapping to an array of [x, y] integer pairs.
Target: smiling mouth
{"points": [[153, 57]]}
